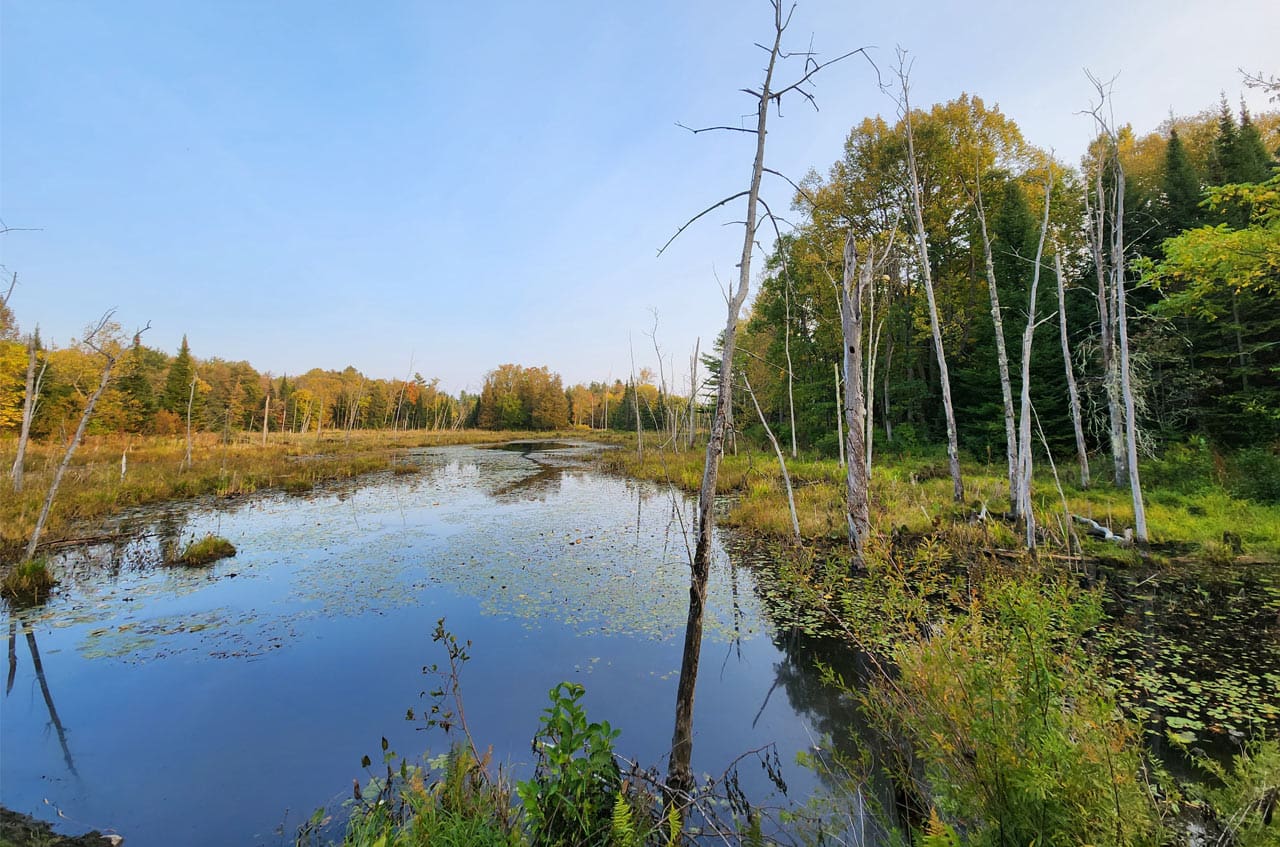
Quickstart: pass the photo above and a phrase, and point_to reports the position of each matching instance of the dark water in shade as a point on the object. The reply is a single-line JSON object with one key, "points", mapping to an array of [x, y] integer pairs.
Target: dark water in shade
{"points": [[220, 706]]}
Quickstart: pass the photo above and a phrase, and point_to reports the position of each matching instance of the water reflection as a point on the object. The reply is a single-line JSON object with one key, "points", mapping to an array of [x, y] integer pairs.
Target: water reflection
{"points": [[207, 701]]}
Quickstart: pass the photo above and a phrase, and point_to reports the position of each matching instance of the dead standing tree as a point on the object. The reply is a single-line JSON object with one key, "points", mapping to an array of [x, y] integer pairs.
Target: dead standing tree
{"points": [[679, 774], [1112, 291], [926, 276], [93, 340]]}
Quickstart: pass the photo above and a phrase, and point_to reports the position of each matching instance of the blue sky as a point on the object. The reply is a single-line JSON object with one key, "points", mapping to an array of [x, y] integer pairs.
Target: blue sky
{"points": [[317, 184]]}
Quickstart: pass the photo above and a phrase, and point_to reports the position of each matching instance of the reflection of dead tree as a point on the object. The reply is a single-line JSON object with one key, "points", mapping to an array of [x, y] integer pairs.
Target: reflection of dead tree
{"points": [[94, 341], [679, 775], [13, 656], [38, 667]]}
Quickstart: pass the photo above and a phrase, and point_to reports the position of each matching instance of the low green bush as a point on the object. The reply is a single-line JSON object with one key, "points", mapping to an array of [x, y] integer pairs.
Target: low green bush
{"points": [[1007, 734]]}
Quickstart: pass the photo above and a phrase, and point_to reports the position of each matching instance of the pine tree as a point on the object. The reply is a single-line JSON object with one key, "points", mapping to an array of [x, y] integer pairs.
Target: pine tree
{"points": [[177, 385]]}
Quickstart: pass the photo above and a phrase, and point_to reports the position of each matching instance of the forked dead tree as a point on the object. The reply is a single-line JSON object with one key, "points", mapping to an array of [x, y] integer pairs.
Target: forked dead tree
{"points": [[679, 774]]}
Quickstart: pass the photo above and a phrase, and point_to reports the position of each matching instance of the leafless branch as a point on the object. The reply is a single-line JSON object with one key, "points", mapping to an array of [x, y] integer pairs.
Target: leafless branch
{"points": [[12, 282], [713, 128], [813, 68], [1269, 85], [812, 201], [703, 213]]}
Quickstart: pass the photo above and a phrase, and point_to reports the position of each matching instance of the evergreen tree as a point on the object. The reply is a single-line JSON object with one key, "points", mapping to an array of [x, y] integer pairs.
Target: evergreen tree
{"points": [[177, 385], [1182, 190], [1253, 162], [139, 399]]}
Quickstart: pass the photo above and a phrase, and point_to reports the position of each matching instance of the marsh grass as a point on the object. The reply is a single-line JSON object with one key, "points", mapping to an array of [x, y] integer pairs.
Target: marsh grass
{"points": [[93, 488], [28, 583]]}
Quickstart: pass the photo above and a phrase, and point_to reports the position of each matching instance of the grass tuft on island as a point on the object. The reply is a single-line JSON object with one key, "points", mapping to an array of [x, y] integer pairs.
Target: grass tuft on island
{"points": [[205, 551], [28, 583]]}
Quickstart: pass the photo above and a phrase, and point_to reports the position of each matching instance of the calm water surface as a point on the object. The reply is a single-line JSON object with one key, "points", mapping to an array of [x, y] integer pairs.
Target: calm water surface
{"points": [[222, 705]]}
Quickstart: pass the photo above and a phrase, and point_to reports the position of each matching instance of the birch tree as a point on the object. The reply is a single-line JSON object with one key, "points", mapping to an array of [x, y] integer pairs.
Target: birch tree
{"points": [[679, 774]]}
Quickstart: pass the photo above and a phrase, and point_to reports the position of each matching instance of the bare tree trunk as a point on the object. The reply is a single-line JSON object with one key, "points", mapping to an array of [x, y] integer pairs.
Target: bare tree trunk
{"points": [[635, 403], [853, 290], [191, 397], [1073, 394], [693, 392], [1025, 460], [1002, 355], [1107, 331], [786, 346], [679, 772], [888, 365], [266, 416], [30, 401], [66, 459], [922, 246], [782, 462], [1126, 381], [839, 414]]}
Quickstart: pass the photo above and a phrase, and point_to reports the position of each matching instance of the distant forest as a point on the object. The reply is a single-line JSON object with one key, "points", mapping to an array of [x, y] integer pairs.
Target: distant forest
{"points": [[1202, 211]]}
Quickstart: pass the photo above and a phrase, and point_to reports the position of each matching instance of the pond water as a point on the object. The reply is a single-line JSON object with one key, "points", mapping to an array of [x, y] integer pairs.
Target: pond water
{"points": [[221, 706]]}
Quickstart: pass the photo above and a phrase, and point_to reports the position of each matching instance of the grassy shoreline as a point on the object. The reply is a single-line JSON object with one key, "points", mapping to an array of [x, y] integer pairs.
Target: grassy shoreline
{"points": [[911, 495]]}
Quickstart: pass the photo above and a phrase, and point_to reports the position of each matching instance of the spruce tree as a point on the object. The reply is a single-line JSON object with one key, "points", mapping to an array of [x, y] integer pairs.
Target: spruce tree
{"points": [[135, 386], [177, 385], [1182, 190]]}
